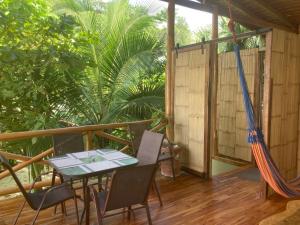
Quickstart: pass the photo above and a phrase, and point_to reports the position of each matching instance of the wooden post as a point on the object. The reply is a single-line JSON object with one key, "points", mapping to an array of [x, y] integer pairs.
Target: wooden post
{"points": [[169, 87], [267, 102], [89, 140], [212, 148]]}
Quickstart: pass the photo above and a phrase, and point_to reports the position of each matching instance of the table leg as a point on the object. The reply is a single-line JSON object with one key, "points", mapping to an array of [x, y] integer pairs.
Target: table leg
{"points": [[87, 205], [86, 200]]}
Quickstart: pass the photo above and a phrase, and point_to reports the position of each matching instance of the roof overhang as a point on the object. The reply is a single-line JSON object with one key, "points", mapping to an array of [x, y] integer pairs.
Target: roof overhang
{"points": [[254, 14]]}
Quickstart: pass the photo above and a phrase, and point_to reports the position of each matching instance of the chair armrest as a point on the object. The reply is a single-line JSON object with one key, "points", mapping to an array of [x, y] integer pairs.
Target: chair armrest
{"points": [[38, 178], [54, 188]]}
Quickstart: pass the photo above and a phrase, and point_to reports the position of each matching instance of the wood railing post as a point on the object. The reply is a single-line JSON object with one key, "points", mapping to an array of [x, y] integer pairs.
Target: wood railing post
{"points": [[89, 140], [169, 93], [89, 131]]}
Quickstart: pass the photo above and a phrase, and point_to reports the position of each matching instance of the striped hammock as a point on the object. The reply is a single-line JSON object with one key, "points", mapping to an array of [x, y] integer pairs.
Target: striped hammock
{"points": [[265, 163]]}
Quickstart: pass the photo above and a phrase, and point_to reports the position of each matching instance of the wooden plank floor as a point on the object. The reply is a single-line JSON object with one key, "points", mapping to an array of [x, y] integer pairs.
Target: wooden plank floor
{"points": [[187, 201]]}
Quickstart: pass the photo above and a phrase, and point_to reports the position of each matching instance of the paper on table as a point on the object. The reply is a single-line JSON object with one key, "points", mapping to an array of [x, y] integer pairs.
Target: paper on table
{"points": [[66, 162], [104, 165], [85, 154], [103, 151], [115, 155], [74, 170]]}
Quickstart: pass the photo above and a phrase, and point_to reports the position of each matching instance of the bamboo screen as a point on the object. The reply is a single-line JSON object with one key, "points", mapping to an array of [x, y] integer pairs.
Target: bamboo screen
{"points": [[283, 83], [231, 118], [190, 95]]}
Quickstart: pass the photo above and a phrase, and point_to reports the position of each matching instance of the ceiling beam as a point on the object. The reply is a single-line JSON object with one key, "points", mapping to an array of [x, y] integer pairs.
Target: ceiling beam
{"points": [[277, 13], [255, 19], [209, 8], [193, 5], [241, 14]]}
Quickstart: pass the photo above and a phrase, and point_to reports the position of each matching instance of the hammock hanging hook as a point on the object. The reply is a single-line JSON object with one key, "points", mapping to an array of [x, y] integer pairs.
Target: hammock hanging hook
{"points": [[231, 23]]}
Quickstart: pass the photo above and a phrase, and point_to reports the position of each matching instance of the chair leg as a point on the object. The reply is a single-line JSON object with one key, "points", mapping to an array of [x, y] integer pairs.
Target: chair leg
{"points": [[100, 183], [19, 213], [82, 215], [76, 208], [129, 212], [36, 216], [148, 214], [157, 192], [173, 169], [64, 209]]}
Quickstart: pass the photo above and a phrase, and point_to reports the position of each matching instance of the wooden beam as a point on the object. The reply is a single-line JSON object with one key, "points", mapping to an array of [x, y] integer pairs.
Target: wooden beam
{"points": [[192, 5], [245, 17], [277, 13], [38, 185], [113, 138], [214, 89], [27, 163], [170, 71], [22, 158], [38, 133], [255, 19]]}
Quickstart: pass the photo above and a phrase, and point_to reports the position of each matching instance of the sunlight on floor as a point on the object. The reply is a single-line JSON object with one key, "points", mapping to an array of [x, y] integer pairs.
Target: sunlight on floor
{"points": [[219, 167]]}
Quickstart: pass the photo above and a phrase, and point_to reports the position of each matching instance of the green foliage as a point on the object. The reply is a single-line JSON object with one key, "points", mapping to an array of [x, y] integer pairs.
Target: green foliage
{"points": [[126, 56], [80, 61], [183, 34], [251, 42], [37, 49]]}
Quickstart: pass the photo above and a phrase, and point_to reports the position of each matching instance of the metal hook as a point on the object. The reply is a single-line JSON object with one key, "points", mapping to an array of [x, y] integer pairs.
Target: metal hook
{"points": [[202, 45], [176, 50]]}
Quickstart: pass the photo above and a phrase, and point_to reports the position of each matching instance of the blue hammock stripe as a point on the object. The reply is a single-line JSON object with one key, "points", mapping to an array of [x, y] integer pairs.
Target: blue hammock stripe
{"points": [[256, 135]]}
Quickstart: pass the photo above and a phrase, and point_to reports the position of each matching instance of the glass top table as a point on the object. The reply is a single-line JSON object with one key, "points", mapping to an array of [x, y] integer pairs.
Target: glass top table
{"points": [[91, 163], [82, 165]]}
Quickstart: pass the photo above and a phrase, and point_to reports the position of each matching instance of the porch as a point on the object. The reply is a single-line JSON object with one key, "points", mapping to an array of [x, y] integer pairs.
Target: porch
{"points": [[226, 199]]}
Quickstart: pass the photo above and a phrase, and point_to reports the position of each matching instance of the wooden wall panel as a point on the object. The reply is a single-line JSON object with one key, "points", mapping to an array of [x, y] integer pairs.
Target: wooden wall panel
{"points": [[191, 76], [284, 115], [231, 118]]}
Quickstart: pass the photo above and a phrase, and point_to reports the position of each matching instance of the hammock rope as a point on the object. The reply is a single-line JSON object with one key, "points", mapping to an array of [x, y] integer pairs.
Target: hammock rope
{"points": [[265, 163]]}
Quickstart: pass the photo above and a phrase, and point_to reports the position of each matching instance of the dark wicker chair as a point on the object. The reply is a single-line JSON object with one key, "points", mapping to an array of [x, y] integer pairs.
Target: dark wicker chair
{"points": [[148, 153], [136, 132], [67, 143], [41, 199], [129, 187], [64, 144]]}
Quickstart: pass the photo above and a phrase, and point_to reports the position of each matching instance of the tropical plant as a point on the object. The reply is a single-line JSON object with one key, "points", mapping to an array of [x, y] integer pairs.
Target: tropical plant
{"points": [[126, 56], [251, 42], [36, 50], [83, 62]]}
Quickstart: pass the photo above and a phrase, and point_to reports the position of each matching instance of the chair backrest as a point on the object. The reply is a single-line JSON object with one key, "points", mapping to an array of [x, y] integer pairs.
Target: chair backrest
{"points": [[4, 162], [67, 143], [136, 131], [130, 186], [150, 147]]}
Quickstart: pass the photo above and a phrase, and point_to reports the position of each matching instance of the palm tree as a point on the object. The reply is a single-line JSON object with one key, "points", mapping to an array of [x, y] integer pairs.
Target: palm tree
{"points": [[127, 58]]}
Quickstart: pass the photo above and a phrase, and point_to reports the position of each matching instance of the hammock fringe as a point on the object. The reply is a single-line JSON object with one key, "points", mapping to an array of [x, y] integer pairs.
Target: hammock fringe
{"points": [[265, 163]]}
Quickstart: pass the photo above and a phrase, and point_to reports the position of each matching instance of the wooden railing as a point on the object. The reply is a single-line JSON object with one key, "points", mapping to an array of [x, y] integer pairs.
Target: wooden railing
{"points": [[89, 131]]}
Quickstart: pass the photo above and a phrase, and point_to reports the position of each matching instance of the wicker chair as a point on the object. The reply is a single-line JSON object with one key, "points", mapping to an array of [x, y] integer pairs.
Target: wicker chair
{"points": [[129, 187], [148, 153], [136, 132], [42, 199]]}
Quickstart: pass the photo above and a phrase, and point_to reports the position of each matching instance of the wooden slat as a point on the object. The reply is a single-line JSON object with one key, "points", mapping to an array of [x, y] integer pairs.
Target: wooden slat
{"points": [[169, 85], [112, 137], [23, 158], [268, 7], [38, 133], [27, 163], [38, 185], [188, 200]]}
